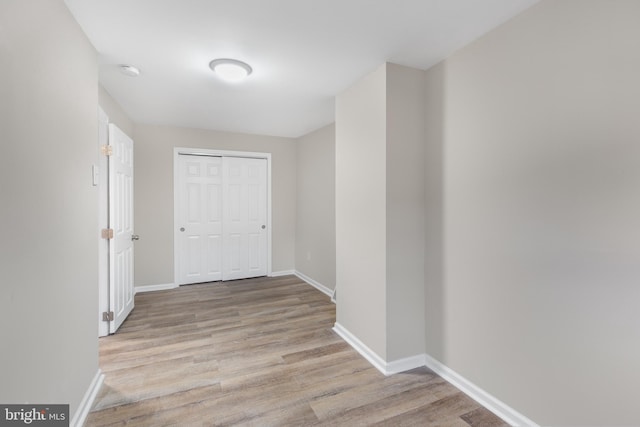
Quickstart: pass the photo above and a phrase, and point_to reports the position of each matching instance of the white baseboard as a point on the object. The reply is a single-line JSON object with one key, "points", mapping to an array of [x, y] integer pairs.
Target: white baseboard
{"points": [[151, 288], [282, 273], [377, 361], [315, 284], [387, 368], [502, 410], [87, 401], [405, 364]]}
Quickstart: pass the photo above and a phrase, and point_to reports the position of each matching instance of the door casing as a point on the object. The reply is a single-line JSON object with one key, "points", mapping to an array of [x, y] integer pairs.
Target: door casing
{"points": [[103, 222]]}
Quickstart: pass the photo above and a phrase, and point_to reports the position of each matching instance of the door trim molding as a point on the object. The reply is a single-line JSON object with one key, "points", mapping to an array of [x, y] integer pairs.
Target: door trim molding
{"points": [[103, 222], [177, 151]]}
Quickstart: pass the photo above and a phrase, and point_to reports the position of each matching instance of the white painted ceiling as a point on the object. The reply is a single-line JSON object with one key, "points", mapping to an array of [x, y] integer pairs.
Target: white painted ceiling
{"points": [[303, 53]]}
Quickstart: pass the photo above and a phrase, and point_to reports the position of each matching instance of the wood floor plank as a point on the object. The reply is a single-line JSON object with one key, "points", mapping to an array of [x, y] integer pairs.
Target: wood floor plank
{"points": [[443, 412], [382, 388], [381, 410], [480, 417], [258, 352], [123, 413]]}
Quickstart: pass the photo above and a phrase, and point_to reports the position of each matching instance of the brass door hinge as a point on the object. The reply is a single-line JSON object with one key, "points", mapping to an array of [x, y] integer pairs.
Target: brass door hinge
{"points": [[107, 233], [107, 316], [106, 150]]}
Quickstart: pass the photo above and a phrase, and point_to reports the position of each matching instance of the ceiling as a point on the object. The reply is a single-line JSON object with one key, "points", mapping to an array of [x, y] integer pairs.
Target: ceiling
{"points": [[303, 53]]}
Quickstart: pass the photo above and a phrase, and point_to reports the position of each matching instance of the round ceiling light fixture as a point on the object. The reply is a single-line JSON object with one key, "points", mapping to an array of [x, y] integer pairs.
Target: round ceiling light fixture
{"points": [[230, 70], [129, 70]]}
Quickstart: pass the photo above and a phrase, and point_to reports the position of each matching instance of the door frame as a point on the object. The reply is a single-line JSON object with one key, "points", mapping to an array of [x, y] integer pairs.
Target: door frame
{"points": [[177, 151], [102, 171]]}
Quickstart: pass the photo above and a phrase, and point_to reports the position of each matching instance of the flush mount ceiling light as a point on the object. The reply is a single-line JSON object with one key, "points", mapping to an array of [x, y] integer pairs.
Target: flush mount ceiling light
{"points": [[230, 69], [129, 70]]}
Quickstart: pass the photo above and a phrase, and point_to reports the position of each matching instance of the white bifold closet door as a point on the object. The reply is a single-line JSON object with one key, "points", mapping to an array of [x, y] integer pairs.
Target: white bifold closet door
{"points": [[222, 217]]}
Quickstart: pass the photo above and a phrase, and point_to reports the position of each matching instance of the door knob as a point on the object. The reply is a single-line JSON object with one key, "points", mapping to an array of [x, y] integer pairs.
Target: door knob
{"points": [[135, 237], [181, 228], [264, 226]]}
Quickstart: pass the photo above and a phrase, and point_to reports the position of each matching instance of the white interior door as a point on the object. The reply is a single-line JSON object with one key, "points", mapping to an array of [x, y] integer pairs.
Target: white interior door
{"points": [[244, 218], [199, 236], [121, 222]]}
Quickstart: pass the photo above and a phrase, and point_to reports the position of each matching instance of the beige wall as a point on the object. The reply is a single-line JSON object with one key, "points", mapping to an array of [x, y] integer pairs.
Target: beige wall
{"points": [[537, 126], [315, 206], [153, 186], [115, 112], [361, 210], [48, 249], [380, 196], [405, 193], [434, 215]]}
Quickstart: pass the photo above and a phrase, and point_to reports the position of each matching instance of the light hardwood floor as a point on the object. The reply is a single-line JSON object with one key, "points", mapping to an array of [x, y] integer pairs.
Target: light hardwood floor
{"points": [[258, 352]]}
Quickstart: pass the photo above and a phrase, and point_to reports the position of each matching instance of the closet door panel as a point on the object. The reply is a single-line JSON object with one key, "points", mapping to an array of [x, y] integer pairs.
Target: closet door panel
{"points": [[244, 218], [199, 238]]}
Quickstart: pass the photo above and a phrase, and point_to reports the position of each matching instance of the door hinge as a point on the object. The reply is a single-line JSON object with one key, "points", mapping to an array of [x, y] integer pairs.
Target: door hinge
{"points": [[106, 150], [107, 233], [107, 316]]}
